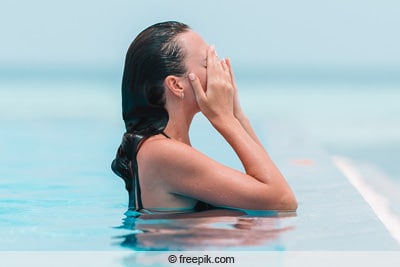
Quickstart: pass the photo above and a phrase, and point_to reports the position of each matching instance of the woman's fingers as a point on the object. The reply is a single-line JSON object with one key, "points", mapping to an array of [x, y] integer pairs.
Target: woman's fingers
{"points": [[224, 65], [228, 63], [213, 62]]}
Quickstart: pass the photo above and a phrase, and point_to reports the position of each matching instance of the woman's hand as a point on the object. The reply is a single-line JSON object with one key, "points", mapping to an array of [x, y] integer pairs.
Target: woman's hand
{"points": [[217, 101], [237, 109]]}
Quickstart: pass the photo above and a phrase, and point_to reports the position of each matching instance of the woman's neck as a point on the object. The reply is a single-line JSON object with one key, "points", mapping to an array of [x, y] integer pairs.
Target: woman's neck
{"points": [[181, 113], [178, 127]]}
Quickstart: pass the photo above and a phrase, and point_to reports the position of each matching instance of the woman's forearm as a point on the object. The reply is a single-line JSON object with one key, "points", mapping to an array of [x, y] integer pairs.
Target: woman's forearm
{"points": [[256, 160], [252, 154], [244, 121]]}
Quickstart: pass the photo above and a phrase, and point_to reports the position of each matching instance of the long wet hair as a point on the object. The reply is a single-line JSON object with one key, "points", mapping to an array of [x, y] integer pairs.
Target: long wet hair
{"points": [[154, 54]]}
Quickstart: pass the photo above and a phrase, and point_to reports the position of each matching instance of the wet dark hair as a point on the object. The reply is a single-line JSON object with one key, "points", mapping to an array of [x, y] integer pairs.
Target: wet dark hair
{"points": [[153, 55]]}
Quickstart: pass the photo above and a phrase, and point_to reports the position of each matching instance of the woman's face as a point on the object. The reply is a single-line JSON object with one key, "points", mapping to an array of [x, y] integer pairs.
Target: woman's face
{"points": [[195, 55]]}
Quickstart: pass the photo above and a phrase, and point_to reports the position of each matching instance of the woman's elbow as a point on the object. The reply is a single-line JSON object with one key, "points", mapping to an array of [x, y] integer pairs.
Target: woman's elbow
{"points": [[288, 202], [285, 201]]}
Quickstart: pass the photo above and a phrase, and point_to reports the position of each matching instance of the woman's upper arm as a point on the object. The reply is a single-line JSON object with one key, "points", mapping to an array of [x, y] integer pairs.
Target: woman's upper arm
{"points": [[186, 171]]}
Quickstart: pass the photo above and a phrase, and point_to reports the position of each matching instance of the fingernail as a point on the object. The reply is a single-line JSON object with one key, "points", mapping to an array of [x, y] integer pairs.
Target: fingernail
{"points": [[191, 76]]}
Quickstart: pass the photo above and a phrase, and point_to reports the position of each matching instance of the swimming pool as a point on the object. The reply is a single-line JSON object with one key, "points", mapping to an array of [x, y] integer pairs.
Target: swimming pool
{"points": [[58, 193]]}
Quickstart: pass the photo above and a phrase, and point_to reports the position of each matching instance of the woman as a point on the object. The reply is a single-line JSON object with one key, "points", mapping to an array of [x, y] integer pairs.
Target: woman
{"points": [[170, 75]]}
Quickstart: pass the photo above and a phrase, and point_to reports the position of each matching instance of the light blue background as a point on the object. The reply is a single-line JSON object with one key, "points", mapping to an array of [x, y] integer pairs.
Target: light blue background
{"points": [[311, 32]]}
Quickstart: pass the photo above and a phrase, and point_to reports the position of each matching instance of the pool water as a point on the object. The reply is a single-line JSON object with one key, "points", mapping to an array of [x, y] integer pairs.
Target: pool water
{"points": [[58, 192], [209, 230]]}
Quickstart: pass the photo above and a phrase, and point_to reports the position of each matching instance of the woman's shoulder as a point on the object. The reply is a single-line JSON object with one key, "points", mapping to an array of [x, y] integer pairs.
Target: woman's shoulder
{"points": [[171, 157], [168, 160], [159, 148]]}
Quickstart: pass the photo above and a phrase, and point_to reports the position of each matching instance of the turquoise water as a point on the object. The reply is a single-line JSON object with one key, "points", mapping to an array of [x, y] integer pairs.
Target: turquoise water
{"points": [[59, 135], [58, 138]]}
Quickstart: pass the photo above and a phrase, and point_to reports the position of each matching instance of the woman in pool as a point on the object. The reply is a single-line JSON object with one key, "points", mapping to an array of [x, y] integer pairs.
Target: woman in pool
{"points": [[171, 74]]}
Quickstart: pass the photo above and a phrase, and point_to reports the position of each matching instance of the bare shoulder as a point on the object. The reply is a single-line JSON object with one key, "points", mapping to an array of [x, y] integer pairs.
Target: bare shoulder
{"points": [[169, 156], [161, 151], [180, 165]]}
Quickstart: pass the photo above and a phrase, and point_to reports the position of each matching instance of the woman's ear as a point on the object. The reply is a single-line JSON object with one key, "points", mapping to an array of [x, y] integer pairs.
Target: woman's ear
{"points": [[174, 84]]}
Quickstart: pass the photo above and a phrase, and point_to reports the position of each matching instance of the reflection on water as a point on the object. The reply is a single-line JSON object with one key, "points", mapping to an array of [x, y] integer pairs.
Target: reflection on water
{"points": [[208, 230]]}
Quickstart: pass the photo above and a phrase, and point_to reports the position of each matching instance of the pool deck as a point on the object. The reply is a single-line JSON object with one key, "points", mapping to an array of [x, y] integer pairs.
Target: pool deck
{"points": [[332, 214]]}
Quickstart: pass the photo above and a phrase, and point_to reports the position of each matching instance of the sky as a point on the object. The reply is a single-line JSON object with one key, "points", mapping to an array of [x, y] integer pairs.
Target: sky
{"points": [[308, 32]]}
